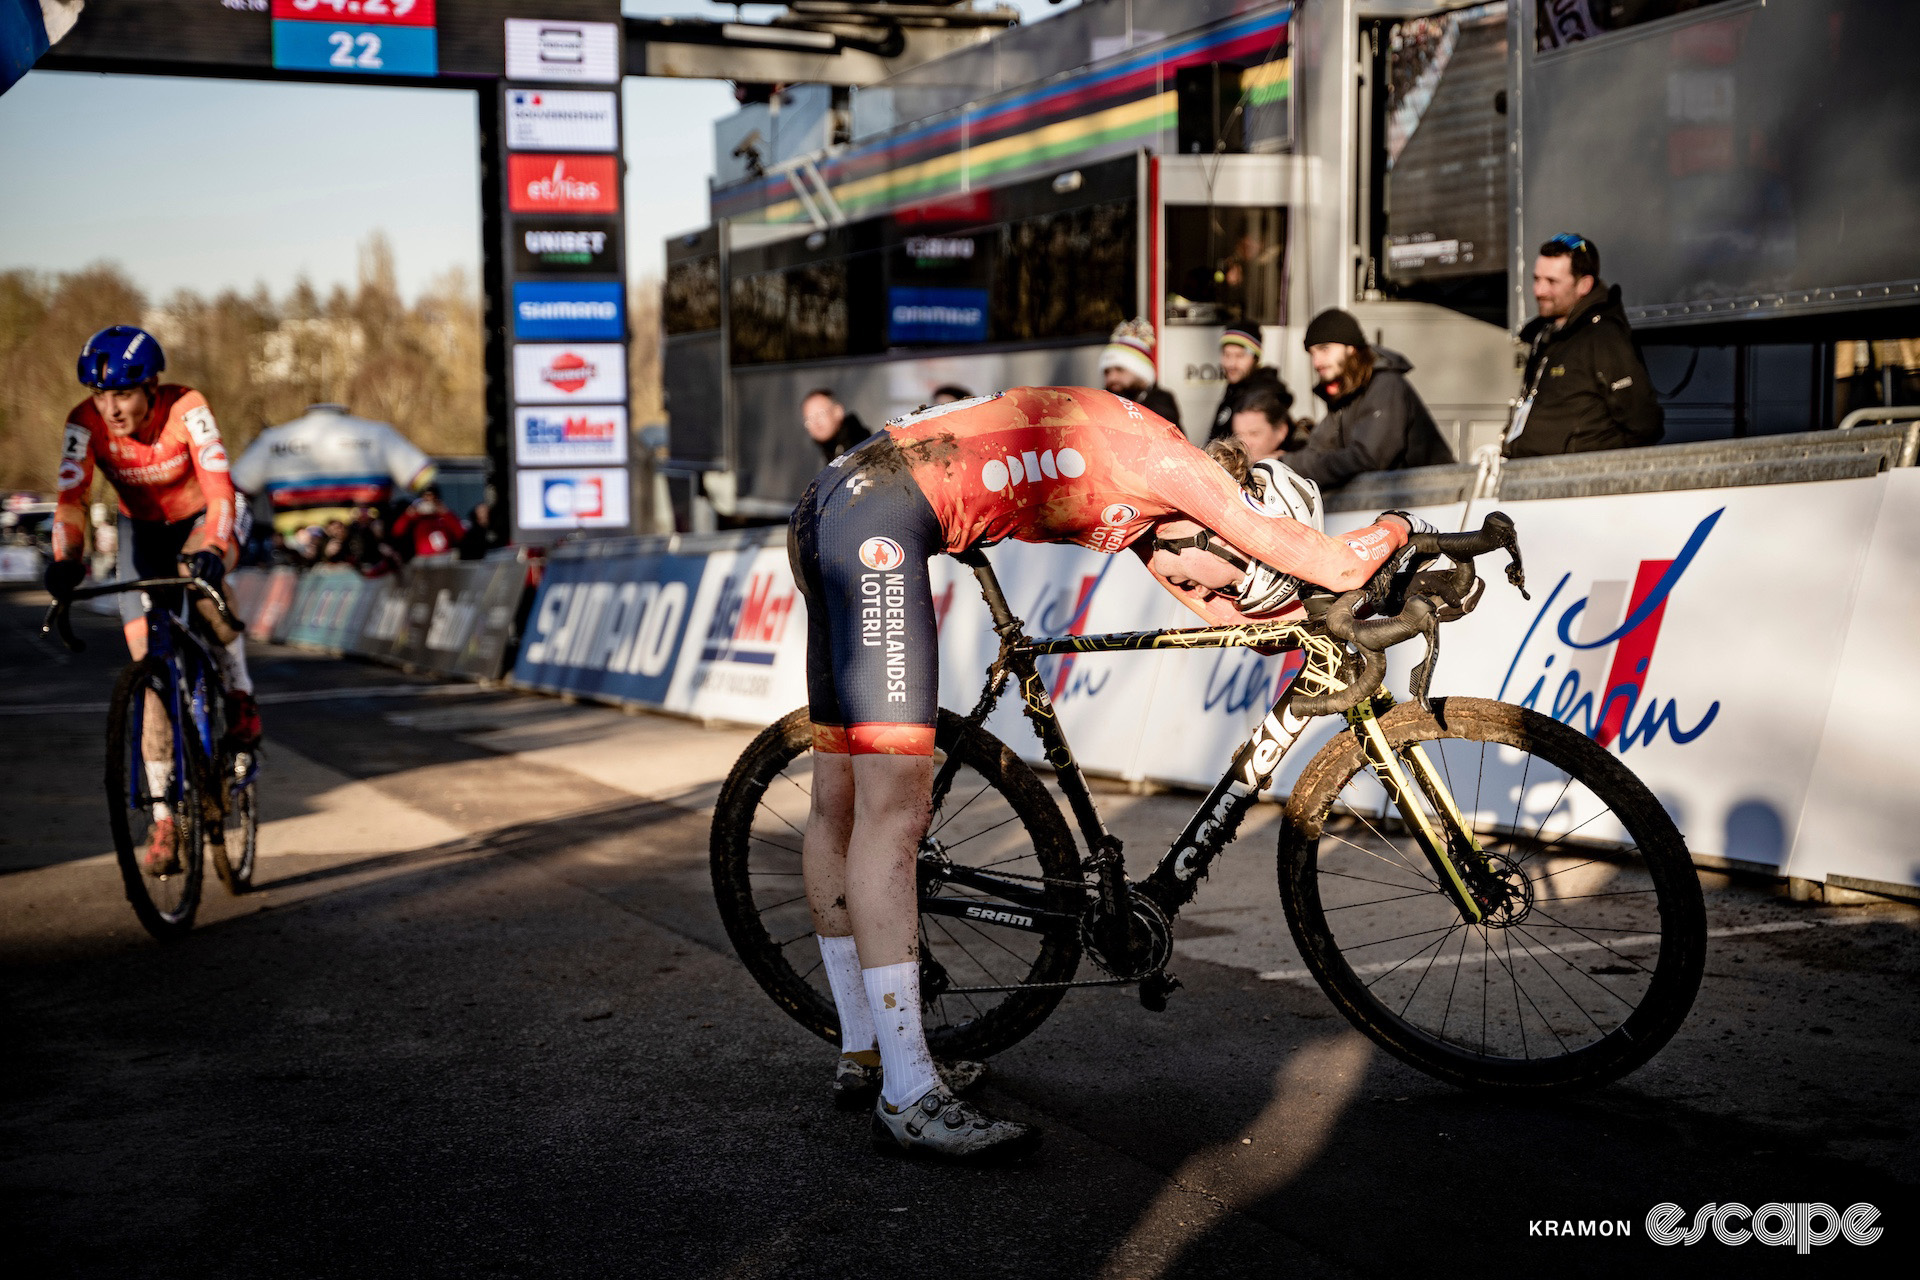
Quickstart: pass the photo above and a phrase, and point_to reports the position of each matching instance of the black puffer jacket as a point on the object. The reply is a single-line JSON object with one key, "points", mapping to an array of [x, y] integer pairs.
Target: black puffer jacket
{"points": [[1589, 386], [1263, 378], [1383, 426], [852, 431]]}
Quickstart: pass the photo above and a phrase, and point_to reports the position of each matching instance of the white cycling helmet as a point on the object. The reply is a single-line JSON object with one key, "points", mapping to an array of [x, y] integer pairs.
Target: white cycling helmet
{"points": [[1283, 496]]}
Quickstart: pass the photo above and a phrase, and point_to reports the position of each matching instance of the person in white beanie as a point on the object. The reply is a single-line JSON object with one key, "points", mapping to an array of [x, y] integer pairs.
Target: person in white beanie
{"points": [[1127, 369]]}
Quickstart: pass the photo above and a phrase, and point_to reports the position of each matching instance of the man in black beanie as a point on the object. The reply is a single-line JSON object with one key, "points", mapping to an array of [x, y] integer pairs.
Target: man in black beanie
{"points": [[1240, 363], [1375, 419]]}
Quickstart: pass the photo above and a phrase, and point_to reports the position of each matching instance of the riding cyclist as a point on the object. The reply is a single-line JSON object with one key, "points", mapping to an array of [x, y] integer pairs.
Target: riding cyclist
{"points": [[158, 445], [1039, 464]]}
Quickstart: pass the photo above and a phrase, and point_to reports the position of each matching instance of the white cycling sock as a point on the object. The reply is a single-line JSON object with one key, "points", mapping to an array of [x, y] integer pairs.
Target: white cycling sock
{"points": [[235, 662], [849, 993], [893, 993], [159, 776]]}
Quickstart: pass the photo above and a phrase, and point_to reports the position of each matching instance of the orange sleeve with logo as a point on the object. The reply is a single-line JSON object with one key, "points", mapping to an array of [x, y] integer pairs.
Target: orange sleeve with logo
{"points": [[76, 481], [192, 416]]}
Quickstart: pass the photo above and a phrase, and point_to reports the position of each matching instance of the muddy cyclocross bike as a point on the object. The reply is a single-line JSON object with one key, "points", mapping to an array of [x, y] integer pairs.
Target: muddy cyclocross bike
{"points": [[1485, 892], [210, 787]]}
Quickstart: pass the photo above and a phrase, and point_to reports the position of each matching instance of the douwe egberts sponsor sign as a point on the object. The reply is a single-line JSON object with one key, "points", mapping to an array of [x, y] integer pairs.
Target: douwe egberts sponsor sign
{"points": [[562, 120], [584, 435], [569, 373], [540, 183]]}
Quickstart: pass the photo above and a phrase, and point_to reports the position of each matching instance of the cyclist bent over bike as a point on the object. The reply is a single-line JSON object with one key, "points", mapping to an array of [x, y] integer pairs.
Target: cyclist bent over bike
{"points": [[159, 446], [1038, 464]]}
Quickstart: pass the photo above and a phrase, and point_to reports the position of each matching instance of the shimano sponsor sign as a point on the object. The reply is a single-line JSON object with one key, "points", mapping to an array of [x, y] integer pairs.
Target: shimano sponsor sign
{"points": [[565, 246], [581, 436], [562, 120], [547, 310], [569, 373], [928, 314], [610, 625], [579, 52]]}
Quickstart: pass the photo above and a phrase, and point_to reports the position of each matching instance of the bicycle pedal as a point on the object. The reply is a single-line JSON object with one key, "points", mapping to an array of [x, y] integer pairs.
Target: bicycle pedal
{"points": [[1154, 990]]}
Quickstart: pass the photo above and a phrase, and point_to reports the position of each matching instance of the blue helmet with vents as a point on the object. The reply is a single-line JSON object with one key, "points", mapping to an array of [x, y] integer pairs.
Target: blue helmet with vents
{"points": [[120, 358]]}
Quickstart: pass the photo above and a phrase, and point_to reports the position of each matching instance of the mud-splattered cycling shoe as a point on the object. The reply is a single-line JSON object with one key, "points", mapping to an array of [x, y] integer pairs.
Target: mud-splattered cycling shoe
{"points": [[942, 1127]]}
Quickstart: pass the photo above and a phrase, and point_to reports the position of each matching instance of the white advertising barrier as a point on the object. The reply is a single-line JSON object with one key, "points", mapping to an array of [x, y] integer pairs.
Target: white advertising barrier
{"points": [[1748, 652], [1863, 801]]}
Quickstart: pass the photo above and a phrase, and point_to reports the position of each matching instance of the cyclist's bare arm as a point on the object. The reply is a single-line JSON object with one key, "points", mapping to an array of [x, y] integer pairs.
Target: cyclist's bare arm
{"points": [[1208, 495], [1214, 610]]}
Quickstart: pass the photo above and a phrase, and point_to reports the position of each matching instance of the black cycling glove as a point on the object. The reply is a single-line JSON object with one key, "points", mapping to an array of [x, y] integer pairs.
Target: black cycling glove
{"points": [[63, 576], [208, 567]]}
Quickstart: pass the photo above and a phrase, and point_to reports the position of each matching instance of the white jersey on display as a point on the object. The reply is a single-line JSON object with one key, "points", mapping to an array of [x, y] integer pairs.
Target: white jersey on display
{"points": [[327, 461]]}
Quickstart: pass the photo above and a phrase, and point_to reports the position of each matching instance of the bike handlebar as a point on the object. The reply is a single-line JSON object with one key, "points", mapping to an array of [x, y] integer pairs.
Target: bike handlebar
{"points": [[57, 619], [1430, 598]]}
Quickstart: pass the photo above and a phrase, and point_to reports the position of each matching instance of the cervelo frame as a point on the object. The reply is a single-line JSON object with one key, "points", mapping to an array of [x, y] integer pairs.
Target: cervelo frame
{"points": [[1316, 690]]}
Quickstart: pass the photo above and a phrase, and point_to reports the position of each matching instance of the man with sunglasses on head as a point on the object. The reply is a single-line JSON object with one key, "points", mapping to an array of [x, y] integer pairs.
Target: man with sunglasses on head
{"points": [[1585, 386]]}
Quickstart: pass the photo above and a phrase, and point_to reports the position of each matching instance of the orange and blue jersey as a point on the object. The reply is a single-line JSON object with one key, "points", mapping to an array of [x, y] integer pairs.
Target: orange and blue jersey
{"points": [[172, 467]]}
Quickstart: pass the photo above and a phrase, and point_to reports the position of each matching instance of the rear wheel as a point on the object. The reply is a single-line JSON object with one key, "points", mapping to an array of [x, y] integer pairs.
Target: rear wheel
{"points": [[997, 827], [1590, 957], [164, 891]]}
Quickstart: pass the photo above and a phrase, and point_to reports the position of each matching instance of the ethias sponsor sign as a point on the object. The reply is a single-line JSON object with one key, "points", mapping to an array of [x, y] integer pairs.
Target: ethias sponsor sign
{"points": [[563, 184]]}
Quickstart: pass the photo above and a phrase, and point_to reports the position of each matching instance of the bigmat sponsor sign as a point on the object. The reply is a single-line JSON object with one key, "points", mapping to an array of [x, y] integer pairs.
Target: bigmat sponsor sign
{"points": [[564, 436]]}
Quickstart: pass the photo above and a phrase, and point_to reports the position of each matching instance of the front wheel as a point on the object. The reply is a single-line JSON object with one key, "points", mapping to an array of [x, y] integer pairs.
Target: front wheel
{"points": [[147, 793], [1591, 956], [233, 855], [1000, 889]]}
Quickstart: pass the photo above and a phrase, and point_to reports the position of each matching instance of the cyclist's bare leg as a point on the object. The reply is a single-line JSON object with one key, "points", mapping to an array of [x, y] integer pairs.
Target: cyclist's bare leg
{"points": [[862, 837], [823, 856], [233, 659]]}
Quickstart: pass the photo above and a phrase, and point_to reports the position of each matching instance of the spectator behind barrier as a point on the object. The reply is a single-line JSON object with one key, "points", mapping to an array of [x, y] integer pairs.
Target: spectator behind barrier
{"points": [[1375, 420], [478, 539], [1127, 370], [1240, 353], [828, 423], [950, 393], [1264, 430], [427, 528], [1585, 386]]}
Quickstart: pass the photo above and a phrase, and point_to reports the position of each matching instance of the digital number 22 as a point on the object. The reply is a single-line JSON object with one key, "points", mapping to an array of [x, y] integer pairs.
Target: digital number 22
{"points": [[343, 50]]}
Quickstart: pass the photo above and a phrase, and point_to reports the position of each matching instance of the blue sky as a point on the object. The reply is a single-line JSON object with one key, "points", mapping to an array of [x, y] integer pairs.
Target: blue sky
{"points": [[209, 184]]}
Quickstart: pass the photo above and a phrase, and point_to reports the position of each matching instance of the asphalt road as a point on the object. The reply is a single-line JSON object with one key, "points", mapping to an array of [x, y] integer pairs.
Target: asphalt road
{"points": [[481, 1019]]}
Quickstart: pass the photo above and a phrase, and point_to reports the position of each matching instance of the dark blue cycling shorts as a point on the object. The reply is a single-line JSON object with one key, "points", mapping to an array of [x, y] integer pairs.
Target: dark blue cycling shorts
{"points": [[859, 542]]}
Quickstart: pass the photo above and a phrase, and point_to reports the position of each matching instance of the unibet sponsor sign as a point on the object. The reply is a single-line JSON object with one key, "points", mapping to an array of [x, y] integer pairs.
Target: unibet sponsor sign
{"points": [[547, 246]]}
